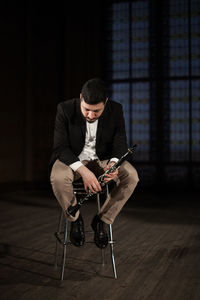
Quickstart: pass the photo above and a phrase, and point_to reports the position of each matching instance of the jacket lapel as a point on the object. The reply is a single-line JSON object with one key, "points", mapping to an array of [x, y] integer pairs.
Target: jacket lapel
{"points": [[80, 120], [102, 123], [99, 131]]}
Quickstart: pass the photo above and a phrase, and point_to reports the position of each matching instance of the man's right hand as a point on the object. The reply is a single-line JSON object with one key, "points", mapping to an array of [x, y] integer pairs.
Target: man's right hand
{"points": [[89, 179]]}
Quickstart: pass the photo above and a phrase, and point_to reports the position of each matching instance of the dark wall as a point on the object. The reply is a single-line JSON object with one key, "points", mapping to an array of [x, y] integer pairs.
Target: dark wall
{"points": [[47, 52]]}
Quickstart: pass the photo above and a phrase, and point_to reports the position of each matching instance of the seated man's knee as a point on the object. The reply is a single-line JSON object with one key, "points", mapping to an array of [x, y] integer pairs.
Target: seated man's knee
{"points": [[130, 172], [60, 177], [57, 178]]}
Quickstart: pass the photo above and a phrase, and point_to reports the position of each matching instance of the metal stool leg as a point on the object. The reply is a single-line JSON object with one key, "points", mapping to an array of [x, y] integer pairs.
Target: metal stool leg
{"points": [[57, 235], [63, 243], [64, 250], [111, 242], [112, 251], [102, 250]]}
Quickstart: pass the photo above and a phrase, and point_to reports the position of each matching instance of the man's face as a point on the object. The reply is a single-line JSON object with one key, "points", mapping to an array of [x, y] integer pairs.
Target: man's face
{"points": [[91, 112]]}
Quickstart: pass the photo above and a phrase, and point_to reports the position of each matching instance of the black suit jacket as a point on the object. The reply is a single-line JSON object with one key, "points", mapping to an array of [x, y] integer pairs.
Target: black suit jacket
{"points": [[70, 130]]}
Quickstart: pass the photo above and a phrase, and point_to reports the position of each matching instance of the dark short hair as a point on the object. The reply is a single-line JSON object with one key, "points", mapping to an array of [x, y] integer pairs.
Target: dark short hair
{"points": [[94, 91]]}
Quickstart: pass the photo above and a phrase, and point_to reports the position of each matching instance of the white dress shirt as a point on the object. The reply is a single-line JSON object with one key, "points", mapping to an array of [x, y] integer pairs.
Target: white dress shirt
{"points": [[89, 150]]}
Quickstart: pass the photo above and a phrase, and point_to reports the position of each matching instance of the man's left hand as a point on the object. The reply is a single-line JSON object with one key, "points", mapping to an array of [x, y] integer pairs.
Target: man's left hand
{"points": [[112, 175]]}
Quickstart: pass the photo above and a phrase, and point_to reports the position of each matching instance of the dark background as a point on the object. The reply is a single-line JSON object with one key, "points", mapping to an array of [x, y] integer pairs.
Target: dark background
{"points": [[47, 52]]}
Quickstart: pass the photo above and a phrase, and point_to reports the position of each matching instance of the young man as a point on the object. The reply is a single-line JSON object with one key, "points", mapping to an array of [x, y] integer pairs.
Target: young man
{"points": [[90, 128]]}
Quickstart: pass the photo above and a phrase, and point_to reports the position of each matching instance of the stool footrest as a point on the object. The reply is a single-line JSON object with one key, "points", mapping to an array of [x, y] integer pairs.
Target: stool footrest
{"points": [[111, 242]]}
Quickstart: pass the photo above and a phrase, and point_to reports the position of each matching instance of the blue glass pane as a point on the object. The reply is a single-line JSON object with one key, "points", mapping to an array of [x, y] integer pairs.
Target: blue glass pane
{"points": [[178, 38], [179, 120], [141, 119], [140, 39], [118, 40], [120, 93], [196, 120], [195, 36]]}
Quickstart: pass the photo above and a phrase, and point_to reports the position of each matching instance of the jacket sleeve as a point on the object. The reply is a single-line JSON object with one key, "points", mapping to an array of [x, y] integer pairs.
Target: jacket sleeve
{"points": [[119, 144], [61, 146]]}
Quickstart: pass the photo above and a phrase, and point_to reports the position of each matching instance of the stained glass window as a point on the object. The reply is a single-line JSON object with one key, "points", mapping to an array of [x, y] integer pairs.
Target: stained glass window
{"points": [[195, 37], [196, 120], [127, 61], [160, 95], [178, 38], [179, 120], [118, 40], [140, 39], [141, 119], [120, 93]]}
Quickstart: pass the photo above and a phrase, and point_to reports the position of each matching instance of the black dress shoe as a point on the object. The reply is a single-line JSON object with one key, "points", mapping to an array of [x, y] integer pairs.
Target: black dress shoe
{"points": [[100, 235], [77, 235]]}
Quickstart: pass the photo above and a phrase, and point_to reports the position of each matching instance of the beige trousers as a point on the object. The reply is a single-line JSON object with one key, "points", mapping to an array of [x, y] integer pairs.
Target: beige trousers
{"points": [[62, 177]]}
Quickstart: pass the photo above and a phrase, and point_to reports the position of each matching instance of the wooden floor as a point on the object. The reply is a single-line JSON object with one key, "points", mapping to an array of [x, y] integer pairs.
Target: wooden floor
{"points": [[157, 251]]}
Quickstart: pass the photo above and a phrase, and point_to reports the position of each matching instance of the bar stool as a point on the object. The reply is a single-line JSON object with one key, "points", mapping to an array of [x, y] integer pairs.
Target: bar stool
{"points": [[62, 235]]}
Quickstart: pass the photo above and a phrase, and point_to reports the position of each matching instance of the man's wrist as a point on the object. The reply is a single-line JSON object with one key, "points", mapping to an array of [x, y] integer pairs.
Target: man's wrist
{"points": [[114, 160], [75, 166]]}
